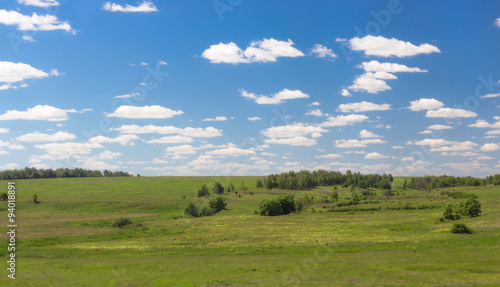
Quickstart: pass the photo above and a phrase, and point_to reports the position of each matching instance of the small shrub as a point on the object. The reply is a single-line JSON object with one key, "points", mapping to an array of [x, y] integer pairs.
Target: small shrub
{"points": [[122, 221], [206, 211], [4, 196], [218, 203], [449, 214], [203, 191], [35, 198], [461, 228], [218, 188], [270, 207], [191, 210], [298, 205]]}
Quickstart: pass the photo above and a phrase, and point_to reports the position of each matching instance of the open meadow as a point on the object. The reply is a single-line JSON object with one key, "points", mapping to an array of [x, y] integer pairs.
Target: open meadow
{"points": [[68, 240]]}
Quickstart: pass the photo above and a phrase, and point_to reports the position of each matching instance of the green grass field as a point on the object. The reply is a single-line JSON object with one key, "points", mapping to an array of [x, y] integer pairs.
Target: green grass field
{"points": [[67, 239]]}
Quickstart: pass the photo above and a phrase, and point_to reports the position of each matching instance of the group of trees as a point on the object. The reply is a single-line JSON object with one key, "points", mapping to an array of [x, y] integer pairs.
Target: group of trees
{"points": [[283, 204], [433, 182], [217, 188], [469, 207], [214, 206], [493, 179], [306, 180], [32, 172]]}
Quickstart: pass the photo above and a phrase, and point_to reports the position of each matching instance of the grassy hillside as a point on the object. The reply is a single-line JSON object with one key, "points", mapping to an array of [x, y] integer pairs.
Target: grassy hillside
{"points": [[67, 239]]}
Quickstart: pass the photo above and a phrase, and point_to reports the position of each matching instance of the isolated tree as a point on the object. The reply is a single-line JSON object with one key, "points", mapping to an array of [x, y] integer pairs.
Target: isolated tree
{"points": [[35, 198], [203, 191], [191, 210], [218, 188], [335, 195], [4, 196], [259, 184], [218, 203], [470, 207], [405, 184]]}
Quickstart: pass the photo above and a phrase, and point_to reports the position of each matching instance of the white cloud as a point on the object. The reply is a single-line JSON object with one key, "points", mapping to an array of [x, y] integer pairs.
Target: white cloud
{"points": [[2, 152], [363, 107], [28, 38], [321, 51], [268, 154], [188, 131], [375, 66], [15, 72], [450, 113], [4, 130], [491, 96], [313, 104], [108, 155], [216, 119], [275, 99], [254, 119], [441, 145], [126, 96], [39, 3], [11, 145], [371, 83], [172, 139], [345, 93], [122, 139], [375, 155], [293, 141], [41, 137], [383, 47], [267, 50], [425, 104], [67, 149], [329, 156], [181, 150], [439, 127], [357, 143], [497, 22], [407, 159], [344, 120], [231, 151], [425, 132], [490, 147], [397, 147], [41, 113], [293, 130], [367, 134], [144, 7], [485, 124], [146, 112], [316, 112], [162, 63], [34, 22], [9, 166]]}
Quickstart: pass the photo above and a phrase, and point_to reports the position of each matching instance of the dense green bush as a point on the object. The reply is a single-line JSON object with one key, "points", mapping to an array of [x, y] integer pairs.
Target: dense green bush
{"points": [[470, 207], [206, 211], [449, 214], [218, 188], [461, 228], [218, 203], [4, 196], [122, 221], [203, 191], [270, 207], [191, 210], [283, 204]]}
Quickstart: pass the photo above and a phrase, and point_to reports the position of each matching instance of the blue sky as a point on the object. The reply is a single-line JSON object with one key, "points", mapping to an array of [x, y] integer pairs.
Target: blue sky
{"points": [[251, 87]]}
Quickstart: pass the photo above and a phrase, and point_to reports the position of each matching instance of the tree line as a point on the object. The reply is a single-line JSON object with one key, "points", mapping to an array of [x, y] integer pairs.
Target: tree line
{"points": [[305, 179], [432, 182], [32, 172]]}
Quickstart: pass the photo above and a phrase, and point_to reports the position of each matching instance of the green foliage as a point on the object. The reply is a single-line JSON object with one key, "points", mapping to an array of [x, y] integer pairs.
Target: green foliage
{"points": [[461, 228], [433, 182], [3, 196], [470, 207], [459, 194], [243, 187], [35, 198], [122, 221], [270, 207], [388, 193], [218, 203], [259, 184], [218, 188], [334, 195], [191, 210], [206, 211], [203, 191], [32, 172], [449, 213]]}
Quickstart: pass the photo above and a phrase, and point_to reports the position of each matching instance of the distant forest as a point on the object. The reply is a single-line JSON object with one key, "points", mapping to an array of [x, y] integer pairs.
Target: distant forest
{"points": [[32, 172]]}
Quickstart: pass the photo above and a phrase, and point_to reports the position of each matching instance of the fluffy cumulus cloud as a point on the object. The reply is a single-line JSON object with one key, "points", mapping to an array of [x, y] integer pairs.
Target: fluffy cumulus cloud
{"points": [[16, 72], [442, 145], [321, 51], [146, 112], [187, 131], [41, 137], [497, 22], [363, 107], [490, 147], [253, 119], [357, 143], [41, 113], [344, 120], [384, 47], [231, 151], [216, 119], [275, 99], [424, 104], [34, 22], [450, 113], [315, 112], [293, 130], [293, 141], [345, 93], [172, 139], [144, 7], [367, 134], [267, 50], [180, 150], [39, 3], [10, 145], [4, 130], [67, 149], [121, 139], [439, 127], [373, 80], [375, 155], [329, 156]]}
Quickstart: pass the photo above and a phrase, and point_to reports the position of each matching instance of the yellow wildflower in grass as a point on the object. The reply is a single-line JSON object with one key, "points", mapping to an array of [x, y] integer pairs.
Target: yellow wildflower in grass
{"points": [[442, 230]]}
